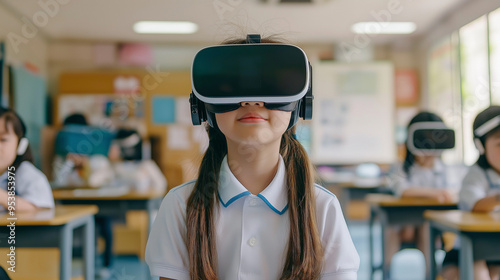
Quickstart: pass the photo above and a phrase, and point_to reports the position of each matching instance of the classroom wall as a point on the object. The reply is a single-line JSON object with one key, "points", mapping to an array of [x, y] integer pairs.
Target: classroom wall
{"points": [[32, 50], [66, 56]]}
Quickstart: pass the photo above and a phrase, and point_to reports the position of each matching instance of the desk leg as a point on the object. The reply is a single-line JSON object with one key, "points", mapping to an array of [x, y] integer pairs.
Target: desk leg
{"points": [[466, 258], [370, 236], [345, 199], [66, 252], [150, 206], [383, 218], [88, 248], [433, 233]]}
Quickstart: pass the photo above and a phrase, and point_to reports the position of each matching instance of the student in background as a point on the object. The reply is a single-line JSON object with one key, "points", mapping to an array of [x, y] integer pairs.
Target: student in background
{"points": [[32, 190], [480, 190], [75, 169], [422, 175], [129, 167]]}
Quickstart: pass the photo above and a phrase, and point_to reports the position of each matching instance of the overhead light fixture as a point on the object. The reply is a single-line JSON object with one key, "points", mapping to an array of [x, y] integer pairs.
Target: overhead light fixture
{"points": [[165, 27], [376, 27]]}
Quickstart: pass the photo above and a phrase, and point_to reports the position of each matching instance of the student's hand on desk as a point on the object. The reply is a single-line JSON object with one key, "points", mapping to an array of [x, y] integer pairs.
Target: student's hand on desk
{"points": [[445, 196], [20, 203], [77, 159]]}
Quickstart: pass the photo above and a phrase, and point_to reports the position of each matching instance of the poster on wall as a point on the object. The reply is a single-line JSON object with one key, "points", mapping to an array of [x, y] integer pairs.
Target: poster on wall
{"points": [[353, 113]]}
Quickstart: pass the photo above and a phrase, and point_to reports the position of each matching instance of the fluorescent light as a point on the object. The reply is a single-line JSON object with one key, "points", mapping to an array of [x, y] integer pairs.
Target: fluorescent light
{"points": [[375, 27], [165, 27]]}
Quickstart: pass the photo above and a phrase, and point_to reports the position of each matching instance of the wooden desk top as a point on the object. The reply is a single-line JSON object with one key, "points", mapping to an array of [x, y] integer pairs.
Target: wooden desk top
{"points": [[102, 194], [360, 183], [60, 215], [393, 201], [466, 221]]}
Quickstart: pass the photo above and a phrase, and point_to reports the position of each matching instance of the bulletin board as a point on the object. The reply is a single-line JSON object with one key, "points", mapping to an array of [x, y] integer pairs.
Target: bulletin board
{"points": [[353, 120], [29, 92]]}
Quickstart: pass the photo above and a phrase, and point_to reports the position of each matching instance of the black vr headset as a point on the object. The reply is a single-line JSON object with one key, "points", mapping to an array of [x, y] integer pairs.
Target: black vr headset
{"points": [[224, 76], [430, 138]]}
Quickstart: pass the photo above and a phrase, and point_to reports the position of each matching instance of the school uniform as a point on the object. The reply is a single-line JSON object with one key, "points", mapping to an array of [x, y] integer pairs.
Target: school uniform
{"points": [[142, 175], [477, 184], [418, 176], [252, 232], [30, 184]]}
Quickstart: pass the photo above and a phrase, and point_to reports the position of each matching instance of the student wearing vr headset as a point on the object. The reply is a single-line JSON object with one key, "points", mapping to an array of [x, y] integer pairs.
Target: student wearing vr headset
{"points": [[254, 212], [32, 189], [423, 175], [480, 190], [130, 168]]}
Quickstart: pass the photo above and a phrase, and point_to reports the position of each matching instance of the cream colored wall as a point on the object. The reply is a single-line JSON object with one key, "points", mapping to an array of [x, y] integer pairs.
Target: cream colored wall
{"points": [[32, 50]]}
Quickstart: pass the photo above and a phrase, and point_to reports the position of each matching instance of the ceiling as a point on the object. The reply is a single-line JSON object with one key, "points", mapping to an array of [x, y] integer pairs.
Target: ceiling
{"points": [[325, 21]]}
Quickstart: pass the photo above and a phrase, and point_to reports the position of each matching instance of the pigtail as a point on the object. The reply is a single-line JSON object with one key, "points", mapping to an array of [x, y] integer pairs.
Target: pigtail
{"points": [[200, 225], [304, 258]]}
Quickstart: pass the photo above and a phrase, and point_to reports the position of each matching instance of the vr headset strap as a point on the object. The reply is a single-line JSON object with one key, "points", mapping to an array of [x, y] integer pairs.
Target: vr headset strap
{"points": [[253, 39]]}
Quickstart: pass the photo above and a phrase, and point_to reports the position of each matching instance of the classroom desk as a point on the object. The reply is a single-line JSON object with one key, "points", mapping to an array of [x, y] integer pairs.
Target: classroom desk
{"points": [[356, 189], [394, 211], [479, 235], [112, 204], [54, 228]]}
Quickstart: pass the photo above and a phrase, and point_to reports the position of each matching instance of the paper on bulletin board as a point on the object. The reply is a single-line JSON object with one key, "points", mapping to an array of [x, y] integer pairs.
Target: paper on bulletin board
{"points": [[178, 137], [353, 113], [163, 109], [182, 110], [200, 135]]}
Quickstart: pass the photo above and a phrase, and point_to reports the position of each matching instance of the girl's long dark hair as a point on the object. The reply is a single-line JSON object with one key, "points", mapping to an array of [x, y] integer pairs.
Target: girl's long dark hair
{"points": [[304, 257], [420, 117], [12, 118]]}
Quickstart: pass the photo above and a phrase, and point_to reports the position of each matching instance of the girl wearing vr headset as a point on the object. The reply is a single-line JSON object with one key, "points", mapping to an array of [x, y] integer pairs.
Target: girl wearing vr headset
{"points": [[480, 190], [31, 189], [423, 175], [254, 212]]}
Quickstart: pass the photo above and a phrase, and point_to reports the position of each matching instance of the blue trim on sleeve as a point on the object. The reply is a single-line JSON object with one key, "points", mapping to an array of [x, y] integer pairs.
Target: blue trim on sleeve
{"points": [[232, 199], [271, 206], [325, 190]]}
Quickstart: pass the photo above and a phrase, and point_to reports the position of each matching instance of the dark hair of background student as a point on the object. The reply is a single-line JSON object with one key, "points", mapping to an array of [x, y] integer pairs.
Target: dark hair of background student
{"points": [[13, 121], [481, 119]]}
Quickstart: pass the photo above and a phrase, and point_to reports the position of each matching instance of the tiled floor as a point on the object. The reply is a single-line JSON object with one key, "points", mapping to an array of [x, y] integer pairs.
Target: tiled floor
{"points": [[407, 264]]}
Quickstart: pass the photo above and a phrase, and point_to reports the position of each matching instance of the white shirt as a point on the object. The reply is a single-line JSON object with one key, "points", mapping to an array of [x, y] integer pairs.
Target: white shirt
{"points": [[31, 184], [252, 232], [476, 186], [142, 175], [419, 176]]}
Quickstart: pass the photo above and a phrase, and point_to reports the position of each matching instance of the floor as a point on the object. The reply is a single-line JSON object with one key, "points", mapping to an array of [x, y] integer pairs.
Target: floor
{"points": [[408, 264]]}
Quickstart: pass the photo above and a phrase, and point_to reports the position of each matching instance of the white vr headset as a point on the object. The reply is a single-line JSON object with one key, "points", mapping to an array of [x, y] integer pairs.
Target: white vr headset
{"points": [[483, 130], [430, 138], [279, 75]]}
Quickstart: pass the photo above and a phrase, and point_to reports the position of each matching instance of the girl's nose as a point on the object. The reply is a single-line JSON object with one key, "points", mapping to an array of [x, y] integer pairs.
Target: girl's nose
{"points": [[249, 103]]}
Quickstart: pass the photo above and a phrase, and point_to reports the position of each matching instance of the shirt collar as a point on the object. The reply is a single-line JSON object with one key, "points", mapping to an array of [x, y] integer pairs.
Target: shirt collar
{"points": [[493, 176], [274, 195]]}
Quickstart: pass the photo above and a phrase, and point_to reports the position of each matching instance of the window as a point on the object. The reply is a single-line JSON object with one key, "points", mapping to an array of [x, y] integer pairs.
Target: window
{"points": [[443, 77], [474, 80], [464, 78], [494, 24]]}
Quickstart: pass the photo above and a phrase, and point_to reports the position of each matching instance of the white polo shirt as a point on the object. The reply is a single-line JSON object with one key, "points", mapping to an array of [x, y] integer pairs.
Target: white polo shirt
{"points": [[30, 184], [418, 176], [478, 184], [252, 232]]}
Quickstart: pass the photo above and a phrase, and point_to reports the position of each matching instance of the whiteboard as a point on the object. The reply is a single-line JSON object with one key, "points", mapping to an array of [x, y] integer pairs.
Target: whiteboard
{"points": [[353, 114]]}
